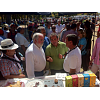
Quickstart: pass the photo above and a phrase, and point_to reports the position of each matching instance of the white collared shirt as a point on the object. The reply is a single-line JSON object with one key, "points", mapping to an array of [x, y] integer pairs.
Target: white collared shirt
{"points": [[59, 28], [21, 40], [73, 60], [35, 60]]}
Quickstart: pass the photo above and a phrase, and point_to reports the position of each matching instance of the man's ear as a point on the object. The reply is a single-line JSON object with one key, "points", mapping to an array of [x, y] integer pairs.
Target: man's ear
{"points": [[71, 42], [58, 39], [35, 41]]}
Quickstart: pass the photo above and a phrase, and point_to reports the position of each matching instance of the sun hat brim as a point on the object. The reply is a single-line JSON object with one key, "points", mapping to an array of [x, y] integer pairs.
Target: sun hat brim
{"points": [[15, 46]]}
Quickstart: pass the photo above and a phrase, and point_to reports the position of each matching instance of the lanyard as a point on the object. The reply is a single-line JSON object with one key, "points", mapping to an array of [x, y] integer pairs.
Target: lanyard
{"points": [[70, 51]]}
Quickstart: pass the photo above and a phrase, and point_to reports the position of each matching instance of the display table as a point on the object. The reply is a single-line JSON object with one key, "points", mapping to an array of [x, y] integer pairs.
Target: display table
{"points": [[50, 77]]}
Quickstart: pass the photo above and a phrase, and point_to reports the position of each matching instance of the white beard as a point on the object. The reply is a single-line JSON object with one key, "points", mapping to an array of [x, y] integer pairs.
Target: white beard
{"points": [[39, 45]]}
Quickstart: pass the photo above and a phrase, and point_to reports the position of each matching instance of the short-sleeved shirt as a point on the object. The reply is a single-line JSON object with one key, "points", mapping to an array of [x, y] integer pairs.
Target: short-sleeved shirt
{"points": [[83, 42], [47, 30], [54, 52], [59, 28], [8, 67], [73, 60], [21, 40]]}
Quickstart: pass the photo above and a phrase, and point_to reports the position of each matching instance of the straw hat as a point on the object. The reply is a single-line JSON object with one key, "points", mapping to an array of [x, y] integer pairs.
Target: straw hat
{"points": [[8, 44]]}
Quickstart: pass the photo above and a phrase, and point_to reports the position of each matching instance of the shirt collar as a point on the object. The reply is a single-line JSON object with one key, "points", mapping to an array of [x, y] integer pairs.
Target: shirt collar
{"points": [[57, 45], [8, 56]]}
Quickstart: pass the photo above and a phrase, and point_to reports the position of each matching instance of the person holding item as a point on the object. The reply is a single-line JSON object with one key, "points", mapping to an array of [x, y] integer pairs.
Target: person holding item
{"points": [[10, 65]]}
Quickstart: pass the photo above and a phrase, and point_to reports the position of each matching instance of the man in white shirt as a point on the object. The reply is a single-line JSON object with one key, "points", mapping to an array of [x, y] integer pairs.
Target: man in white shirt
{"points": [[59, 28], [72, 62], [21, 40], [35, 57]]}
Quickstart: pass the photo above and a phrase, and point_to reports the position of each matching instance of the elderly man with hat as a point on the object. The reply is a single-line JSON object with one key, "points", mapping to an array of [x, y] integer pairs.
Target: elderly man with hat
{"points": [[10, 66]]}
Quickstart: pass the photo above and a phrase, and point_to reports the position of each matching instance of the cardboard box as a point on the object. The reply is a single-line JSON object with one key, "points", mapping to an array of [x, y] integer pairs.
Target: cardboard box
{"points": [[86, 80], [68, 81], [92, 79], [80, 80], [74, 80]]}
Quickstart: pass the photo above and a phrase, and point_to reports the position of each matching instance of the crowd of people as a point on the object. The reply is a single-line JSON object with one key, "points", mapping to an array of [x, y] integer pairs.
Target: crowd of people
{"points": [[52, 45]]}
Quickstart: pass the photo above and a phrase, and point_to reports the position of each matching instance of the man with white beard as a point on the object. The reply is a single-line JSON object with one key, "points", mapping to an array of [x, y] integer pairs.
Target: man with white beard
{"points": [[35, 57]]}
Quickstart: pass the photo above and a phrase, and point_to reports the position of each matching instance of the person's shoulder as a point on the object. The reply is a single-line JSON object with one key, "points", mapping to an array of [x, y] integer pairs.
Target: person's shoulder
{"points": [[49, 46], [30, 48], [62, 43], [17, 34], [1, 38], [77, 50], [5, 61], [83, 39]]}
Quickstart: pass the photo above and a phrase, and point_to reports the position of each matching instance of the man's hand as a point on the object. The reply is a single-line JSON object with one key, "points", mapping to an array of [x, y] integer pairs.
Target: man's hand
{"points": [[60, 56], [22, 76], [49, 59], [23, 58]]}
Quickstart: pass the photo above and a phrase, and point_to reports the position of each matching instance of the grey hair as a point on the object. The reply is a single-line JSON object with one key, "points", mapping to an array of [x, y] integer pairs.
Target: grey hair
{"points": [[35, 36], [40, 28], [53, 34]]}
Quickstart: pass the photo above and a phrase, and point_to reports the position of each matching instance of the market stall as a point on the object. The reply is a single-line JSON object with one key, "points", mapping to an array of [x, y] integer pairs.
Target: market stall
{"points": [[58, 80]]}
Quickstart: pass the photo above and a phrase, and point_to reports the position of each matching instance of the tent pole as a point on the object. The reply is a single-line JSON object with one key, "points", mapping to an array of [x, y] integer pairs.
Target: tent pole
{"points": [[94, 33]]}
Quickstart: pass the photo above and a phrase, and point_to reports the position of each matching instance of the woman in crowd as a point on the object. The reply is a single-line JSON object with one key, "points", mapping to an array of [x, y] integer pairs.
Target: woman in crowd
{"points": [[82, 45]]}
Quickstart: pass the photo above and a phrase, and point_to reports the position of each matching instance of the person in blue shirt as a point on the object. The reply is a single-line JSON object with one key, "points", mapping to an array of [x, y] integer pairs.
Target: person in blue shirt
{"points": [[82, 45], [48, 27], [2, 34], [41, 29]]}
